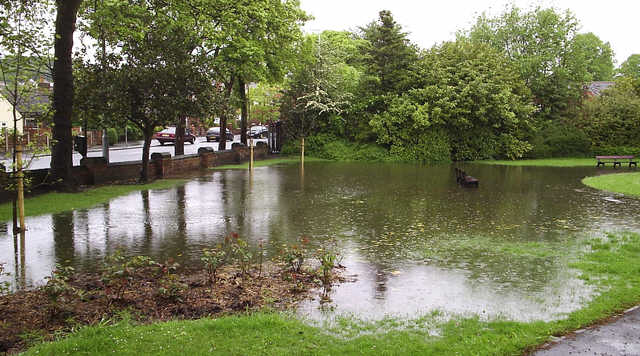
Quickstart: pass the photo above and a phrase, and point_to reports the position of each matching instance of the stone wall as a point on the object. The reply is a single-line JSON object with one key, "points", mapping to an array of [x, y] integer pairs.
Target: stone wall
{"points": [[96, 171]]}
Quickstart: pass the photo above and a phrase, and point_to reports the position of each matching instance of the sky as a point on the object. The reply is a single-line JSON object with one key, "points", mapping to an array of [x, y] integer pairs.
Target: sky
{"points": [[432, 22]]}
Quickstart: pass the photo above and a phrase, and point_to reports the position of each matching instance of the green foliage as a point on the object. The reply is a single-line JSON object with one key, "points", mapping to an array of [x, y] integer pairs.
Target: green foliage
{"points": [[170, 287], [558, 139], [390, 59], [112, 134], [119, 271], [328, 258], [631, 67], [331, 147], [592, 57], [318, 90], [613, 118], [213, 259], [294, 256], [5, 286], [58, 287], [471, 104], [548, 53]]}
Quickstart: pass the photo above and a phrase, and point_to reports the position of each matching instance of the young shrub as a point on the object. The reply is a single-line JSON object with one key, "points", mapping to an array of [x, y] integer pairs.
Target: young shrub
{"points": [[213, 259], [295, 255], [5, 286], [57, 288], [170, 287]]}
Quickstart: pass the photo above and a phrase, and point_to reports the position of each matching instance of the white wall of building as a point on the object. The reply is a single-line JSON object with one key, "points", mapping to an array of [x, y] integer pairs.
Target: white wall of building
{"points": [[6, 116]]}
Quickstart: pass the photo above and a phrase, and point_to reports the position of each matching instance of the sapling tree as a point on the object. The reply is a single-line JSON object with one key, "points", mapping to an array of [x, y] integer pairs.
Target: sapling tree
{"points": [[25, 44]]}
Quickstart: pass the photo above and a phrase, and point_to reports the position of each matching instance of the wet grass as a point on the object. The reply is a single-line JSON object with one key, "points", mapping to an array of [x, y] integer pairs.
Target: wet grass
{"points": [[625, 183], [547, 162], [52, 203], [608, 263], [270, 162]]}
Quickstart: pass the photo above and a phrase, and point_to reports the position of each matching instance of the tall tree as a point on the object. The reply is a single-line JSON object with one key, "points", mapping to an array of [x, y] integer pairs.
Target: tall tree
{"points": [[156, 70], [315, 92], [389, 62], [389, 56], [260, 43], [472, 104], [540, 42], [592, 58], [630, 67], [63, 93], [25, 44]]}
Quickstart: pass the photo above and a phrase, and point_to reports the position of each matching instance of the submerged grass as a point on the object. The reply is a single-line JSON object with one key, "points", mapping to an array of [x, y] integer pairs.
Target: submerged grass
{"points": [[608, 263], [270, 162], [625, 183], [546, 162], [52, 203]]}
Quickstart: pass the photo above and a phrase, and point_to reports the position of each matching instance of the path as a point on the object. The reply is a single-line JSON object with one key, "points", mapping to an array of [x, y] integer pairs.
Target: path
{"points": [[621, 337]]}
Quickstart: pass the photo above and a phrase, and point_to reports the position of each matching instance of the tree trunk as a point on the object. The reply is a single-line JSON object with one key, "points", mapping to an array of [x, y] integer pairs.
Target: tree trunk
{"points": [[179, 143], [243, 109], [62, 151], [223, 133], [223, 118], [144, 173]]}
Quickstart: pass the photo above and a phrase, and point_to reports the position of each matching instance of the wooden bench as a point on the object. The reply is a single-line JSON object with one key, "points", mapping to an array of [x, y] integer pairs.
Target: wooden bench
{"points": [[466, 180], [616, 160]]}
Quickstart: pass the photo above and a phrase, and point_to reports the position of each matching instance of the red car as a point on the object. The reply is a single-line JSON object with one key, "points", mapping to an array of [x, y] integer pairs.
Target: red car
{"points": [[169, 135]]}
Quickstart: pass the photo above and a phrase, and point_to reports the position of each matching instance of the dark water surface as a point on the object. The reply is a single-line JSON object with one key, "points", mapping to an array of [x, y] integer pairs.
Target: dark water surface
{"points": [[412, 240]]}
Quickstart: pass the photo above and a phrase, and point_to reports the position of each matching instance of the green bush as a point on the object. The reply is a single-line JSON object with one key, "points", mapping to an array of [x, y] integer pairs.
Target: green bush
{"points": [[330, 147], [112, 134], [617, 151], [560, 140]]}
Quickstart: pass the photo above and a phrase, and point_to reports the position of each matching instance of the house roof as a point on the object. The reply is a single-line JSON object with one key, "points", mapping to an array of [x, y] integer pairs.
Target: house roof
{"points": [[596, 88]]}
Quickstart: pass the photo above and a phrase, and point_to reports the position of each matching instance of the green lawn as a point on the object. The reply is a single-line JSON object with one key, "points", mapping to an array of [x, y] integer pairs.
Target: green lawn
{"points": [[546, 162], [625, 183], [52, 203], [271, 162], [608, 263]]}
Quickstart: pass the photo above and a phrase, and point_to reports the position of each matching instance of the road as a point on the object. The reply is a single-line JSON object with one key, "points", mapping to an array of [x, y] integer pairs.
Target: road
{"points": [[133, 152]]}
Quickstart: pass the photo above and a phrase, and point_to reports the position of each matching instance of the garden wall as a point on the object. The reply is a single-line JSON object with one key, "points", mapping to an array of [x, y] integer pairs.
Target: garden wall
{"points": [[96, 171]]}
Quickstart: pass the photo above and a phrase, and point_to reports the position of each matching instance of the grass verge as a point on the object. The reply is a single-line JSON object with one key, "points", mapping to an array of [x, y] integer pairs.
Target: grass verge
{"points": [[625, 183], [546, 162], [52, 203], [609, 264], [270, 162]]}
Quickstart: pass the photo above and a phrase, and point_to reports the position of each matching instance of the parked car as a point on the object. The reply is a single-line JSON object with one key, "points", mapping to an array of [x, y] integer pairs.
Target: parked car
{"points": [[169, 135], [258, 132], [213, 134]]}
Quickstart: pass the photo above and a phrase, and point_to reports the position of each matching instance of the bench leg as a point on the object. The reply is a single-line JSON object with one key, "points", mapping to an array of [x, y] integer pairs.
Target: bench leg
{"points": [[616, 164], [600, 164], [635, 164]]}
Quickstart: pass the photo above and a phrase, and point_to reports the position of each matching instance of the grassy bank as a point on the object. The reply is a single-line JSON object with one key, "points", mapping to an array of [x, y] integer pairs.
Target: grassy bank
{"points": [[270, 162], [546, 162], [625, 183], [52, 203], [610, 265]]}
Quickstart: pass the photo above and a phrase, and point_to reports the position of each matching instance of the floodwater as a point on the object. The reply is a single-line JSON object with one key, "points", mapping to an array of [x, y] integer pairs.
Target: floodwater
{"points": [[411, 239]]}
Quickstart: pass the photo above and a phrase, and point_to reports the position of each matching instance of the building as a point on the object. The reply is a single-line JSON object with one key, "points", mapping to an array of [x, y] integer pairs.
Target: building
{"points": [[595, 88], [6, 116]]}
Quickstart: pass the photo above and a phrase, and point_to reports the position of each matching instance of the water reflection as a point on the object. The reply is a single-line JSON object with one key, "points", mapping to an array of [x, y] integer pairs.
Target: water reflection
{"points": [[412, 238]]}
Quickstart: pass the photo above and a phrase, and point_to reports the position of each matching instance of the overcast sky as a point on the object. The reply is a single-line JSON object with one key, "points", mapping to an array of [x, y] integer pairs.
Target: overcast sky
{"points": [[431, 22]]}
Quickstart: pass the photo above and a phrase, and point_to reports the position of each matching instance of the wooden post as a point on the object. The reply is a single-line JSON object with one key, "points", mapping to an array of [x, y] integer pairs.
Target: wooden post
{"points": [[302, 151], [20, 186], [251, 153]]}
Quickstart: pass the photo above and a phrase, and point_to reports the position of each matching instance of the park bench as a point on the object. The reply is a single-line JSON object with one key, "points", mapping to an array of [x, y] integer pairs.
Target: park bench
{"points": [[466, 180], [616, 160]]}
